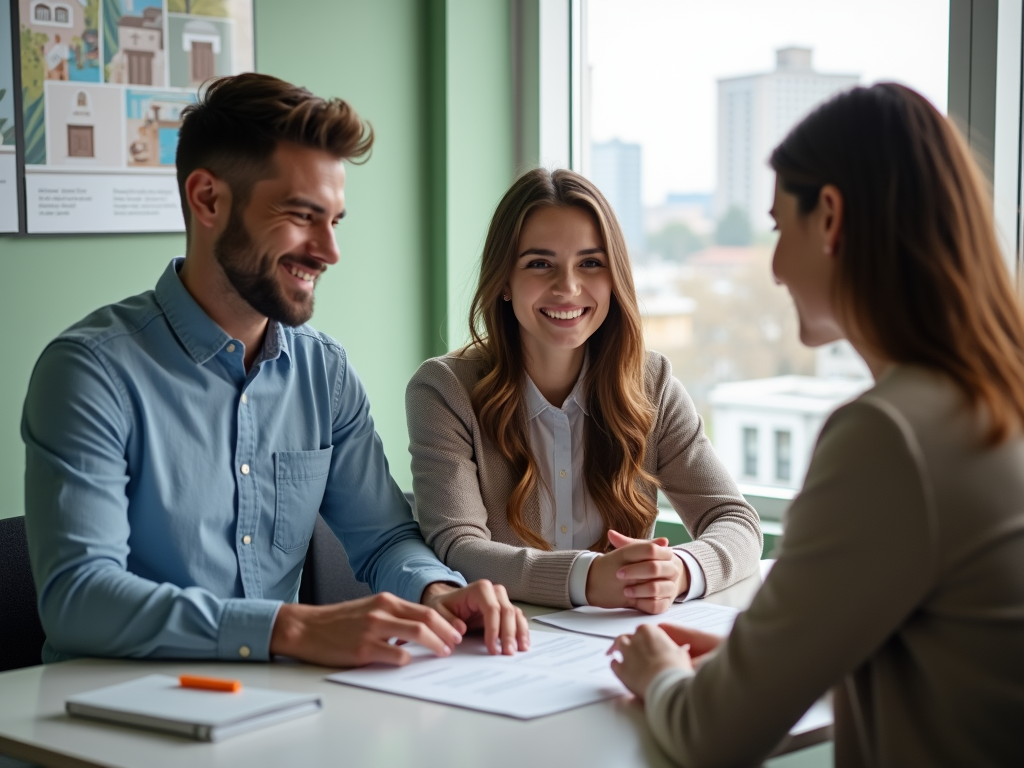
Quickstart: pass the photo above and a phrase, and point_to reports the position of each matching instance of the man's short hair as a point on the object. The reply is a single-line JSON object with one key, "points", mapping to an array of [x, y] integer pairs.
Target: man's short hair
{"points": [[234, 128]]}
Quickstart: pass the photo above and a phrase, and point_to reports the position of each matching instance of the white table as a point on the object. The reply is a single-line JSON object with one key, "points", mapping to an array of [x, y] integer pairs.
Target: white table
{"points": [[356, 727]]}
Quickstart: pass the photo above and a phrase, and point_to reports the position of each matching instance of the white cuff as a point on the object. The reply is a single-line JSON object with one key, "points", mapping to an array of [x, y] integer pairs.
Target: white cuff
{"points": [[698, 585], [578, 577]]}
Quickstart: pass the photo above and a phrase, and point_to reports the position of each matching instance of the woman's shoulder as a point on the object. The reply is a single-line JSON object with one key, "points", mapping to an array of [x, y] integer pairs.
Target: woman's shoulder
{"points": [[658, 370], [909, 395], [925, 405], [676, 414], [458, 370], [662, 387]]}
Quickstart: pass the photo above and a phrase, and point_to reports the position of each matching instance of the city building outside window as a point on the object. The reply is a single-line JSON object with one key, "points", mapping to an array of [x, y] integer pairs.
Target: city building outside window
{"points": [[682, 104], [783, 465], [750, 452]]}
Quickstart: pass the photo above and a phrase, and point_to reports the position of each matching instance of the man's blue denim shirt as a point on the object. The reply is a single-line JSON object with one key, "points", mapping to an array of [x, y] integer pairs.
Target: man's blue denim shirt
{"points": [[170, 496]]}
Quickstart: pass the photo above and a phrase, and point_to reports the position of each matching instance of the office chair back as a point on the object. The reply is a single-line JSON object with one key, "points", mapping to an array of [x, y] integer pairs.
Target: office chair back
{"points": [[327, 576], [21, 633]]}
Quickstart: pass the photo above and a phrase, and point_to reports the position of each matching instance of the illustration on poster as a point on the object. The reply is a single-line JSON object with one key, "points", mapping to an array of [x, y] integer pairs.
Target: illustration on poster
{"points": [[104, 83]]}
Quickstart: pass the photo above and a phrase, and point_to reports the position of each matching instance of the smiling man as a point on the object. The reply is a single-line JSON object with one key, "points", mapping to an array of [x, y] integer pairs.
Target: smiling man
{"points": [[180, 443]]}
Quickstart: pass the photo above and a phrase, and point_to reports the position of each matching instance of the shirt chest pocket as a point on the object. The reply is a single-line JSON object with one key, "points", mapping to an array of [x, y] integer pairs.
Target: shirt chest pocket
{"points": [[300, 481]]}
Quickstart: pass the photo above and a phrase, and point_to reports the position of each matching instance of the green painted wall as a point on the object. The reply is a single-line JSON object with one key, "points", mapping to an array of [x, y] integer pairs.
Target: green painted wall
{"points": [[478, 145], [417, 211], [376, 301], [48, 284]]}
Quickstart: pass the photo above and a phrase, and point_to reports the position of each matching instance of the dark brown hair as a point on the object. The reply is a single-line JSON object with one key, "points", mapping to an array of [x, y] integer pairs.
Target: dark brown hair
{"points": [[235, 126], [621, 414], [920, 274]]}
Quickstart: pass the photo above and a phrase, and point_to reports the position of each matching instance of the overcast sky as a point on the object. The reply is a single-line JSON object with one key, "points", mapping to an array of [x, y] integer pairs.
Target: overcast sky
{"points": [[655, 63]]}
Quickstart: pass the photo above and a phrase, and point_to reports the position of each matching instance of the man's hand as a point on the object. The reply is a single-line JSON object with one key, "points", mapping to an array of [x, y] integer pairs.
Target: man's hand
{"points": [[481, 605], [646, 654], [641, 573], [357, 632]]}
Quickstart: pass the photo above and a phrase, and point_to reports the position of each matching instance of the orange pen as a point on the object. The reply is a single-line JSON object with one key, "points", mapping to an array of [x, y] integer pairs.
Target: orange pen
{"points": [[210, 683]]}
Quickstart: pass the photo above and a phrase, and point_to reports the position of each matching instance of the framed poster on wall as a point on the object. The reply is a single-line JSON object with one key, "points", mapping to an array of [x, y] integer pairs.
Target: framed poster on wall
{"points": [[103, 84], [8, 159]]}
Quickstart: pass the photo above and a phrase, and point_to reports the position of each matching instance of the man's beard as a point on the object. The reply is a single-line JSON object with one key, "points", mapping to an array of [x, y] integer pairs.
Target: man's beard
{"points": [[254, 276]]}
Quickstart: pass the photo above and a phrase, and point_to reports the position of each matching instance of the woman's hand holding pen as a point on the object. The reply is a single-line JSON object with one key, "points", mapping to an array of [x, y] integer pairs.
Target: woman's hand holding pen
{"points": [[640, 573]]}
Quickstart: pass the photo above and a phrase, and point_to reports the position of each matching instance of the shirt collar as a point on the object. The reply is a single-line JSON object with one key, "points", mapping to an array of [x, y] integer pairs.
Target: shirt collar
{"points": [[275, 342], [196, 330], [536, 403]]}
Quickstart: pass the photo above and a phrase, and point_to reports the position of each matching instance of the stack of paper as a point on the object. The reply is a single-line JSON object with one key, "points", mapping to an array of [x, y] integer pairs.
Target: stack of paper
{"points": [[612, 622]]}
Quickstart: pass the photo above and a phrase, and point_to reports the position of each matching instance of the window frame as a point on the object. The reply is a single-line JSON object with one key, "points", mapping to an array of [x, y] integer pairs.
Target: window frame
{"points": [[986, 101]]}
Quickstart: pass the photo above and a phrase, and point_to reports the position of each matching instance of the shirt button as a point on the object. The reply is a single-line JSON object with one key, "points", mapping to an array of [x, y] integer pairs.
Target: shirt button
{"points": [[247, 539], [245, 469], [244, 651], [244, 399], [561, 473], [231, 347], [564, 529]]}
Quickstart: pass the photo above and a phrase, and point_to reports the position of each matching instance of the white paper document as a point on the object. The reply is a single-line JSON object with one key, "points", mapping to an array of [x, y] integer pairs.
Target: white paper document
{"points": [[612, 622], [817, 717], [559, 672]]}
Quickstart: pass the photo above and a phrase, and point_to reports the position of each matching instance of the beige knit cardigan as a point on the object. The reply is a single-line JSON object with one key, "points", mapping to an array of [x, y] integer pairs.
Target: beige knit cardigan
{"points": [[462, 485]]}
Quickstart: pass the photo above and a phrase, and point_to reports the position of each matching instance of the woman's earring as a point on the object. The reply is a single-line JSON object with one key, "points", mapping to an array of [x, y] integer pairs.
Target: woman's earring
{"points": [[506, 297]]}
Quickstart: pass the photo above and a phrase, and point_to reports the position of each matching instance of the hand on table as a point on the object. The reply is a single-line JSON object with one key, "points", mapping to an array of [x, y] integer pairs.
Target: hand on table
{"points": [[357, 632], [641, 573], [653, 649], [481, 605]]}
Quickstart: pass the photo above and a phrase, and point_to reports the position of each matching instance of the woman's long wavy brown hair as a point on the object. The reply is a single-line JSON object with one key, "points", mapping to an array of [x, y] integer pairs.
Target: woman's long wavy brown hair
{"points": [[920, 274], [621, 414]]}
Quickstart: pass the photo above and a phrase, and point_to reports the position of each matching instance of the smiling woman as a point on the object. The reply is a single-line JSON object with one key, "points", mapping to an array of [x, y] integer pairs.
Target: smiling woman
{"points": [[538, 449], [560, 289]]}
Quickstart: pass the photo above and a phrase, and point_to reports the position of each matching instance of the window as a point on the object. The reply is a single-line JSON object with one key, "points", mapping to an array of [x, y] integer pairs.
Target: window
{"points": [[783, 448], [750, 452], [42, 13], [60, 15], [681, 105]]}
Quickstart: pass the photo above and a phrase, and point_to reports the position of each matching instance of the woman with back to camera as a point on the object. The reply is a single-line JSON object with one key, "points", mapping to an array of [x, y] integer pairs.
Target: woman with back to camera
{"points": [[538, 449], [900, 582]]}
